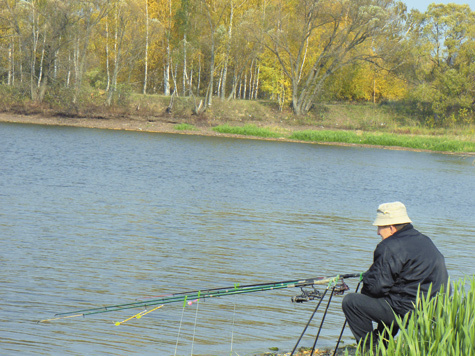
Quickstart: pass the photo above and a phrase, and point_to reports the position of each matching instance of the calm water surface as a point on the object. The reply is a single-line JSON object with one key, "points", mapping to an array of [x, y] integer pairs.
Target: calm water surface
{"points": [[91, 217]]}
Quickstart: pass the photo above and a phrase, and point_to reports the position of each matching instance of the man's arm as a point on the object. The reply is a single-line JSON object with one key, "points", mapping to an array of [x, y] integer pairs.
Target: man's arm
{"points": [[379, 279]]}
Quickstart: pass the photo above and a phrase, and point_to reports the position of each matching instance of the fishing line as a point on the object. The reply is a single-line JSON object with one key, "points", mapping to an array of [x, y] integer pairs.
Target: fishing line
{"points": [[181, 322], [232, 327], [61, 317], [196, 318], [138, 315]]}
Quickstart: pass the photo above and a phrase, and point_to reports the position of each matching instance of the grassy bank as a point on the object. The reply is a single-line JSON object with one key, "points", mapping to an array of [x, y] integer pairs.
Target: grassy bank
{"points": [[444, 144], [418, 142], [362, 123]]}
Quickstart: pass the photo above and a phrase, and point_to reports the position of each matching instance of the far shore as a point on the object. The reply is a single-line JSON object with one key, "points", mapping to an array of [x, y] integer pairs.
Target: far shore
{"points": [[143, 124]]}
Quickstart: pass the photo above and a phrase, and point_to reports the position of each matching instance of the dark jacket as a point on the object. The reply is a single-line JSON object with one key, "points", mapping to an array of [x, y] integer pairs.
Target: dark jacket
{"points": [[401, 263]]}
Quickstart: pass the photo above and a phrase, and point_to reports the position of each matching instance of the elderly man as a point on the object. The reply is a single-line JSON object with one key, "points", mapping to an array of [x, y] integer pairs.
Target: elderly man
{"points": [[404, 261]]}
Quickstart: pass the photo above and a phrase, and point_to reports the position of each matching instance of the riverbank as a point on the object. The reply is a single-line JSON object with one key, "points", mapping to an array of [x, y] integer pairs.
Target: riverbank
{"points": [[306, 351], [344, 124], [173, 127]]}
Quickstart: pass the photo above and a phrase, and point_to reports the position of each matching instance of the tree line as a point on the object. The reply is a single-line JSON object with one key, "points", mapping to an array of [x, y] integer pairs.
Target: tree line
{"points": [[293, 52]]}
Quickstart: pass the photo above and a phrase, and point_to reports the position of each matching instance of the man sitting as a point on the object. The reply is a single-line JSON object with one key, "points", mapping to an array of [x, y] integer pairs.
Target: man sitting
{"points": [[404, 261]]}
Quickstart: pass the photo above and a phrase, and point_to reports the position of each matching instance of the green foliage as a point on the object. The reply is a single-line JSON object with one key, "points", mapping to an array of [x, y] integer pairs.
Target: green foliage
{"points": [[247, 130], [274, 82], [365, 82], [62, 99], [441, 64], [444, 325], [97, 78], [11, 96], [122, 95]]}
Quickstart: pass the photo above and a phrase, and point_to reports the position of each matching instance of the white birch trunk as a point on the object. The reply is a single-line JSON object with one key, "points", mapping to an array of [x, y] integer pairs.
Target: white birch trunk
{"points": [[116, 51], [68, 75], [185, 76], [146, 49], [256, 90], [228, 51], [10, 64], [166, 74], [55, 68], [20, 62], [250, 80], [240, 89], [107, 56], [218, 89], [35, 34], [199, 75], [40, 75]]}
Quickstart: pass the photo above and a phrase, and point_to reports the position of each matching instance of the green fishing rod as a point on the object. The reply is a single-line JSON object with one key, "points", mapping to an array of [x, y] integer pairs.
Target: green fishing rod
{"points": [[212, 293]]}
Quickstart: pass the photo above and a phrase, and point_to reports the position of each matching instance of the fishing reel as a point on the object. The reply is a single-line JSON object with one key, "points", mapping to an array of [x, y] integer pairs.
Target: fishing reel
{"points": [[341, 288], [307, 295]]}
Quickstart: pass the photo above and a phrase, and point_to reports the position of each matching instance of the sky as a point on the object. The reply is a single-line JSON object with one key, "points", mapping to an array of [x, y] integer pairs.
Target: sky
{"points": [[422, 5]]}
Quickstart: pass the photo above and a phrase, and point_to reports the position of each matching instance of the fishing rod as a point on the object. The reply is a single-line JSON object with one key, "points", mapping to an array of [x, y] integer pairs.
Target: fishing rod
{"points": [[218, 292]]}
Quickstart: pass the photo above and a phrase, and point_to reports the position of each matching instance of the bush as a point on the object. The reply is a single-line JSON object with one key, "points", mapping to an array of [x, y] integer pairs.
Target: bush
{"points": [[11, 96]]}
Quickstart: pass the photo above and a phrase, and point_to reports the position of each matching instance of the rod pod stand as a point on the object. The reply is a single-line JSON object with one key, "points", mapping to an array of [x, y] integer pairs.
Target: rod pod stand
{"points": [[310, 320]]}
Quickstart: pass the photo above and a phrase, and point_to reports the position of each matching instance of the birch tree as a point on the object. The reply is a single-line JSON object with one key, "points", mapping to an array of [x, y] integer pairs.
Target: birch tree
{"points": [[214, 11], [90, 13], [43, 28], [312, 39], [128, 43]]}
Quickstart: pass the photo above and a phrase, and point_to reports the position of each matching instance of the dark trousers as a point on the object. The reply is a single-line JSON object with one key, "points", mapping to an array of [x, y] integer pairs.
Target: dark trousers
{"points": [[361, 311]]}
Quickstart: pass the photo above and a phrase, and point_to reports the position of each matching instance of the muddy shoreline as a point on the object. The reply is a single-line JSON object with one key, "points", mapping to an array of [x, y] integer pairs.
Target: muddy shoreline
{"points": [[162, 125]]}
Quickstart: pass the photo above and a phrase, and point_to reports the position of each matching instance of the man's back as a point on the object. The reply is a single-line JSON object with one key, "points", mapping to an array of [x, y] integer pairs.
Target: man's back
{"points": [[402, 263]]}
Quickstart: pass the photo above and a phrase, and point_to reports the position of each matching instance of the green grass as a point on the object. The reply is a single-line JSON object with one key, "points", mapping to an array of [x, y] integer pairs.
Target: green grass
{"points": [[433, 143], [185, 127], [247, 130], [444, 144], [442, 326]]}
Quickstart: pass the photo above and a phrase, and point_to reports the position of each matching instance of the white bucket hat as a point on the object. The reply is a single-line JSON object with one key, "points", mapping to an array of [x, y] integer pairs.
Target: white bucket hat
{"points": [[391, 214]]}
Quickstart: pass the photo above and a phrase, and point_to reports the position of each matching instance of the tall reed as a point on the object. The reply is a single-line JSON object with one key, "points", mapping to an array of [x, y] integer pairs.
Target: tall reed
{"points": [[442, 326]]}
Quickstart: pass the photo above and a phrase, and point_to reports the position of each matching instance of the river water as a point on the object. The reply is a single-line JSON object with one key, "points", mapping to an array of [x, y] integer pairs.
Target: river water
{"points": [[96, 217]]}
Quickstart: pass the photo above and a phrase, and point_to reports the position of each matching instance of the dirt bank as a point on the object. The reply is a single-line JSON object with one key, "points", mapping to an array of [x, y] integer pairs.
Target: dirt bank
{"points": [[162, 125], [159, 125]]}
